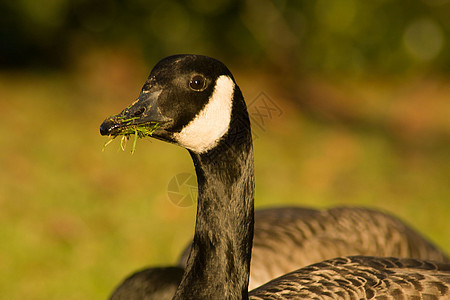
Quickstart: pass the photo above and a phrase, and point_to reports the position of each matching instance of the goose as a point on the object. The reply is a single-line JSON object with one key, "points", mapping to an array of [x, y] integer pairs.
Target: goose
{"points": [[196, 104]]}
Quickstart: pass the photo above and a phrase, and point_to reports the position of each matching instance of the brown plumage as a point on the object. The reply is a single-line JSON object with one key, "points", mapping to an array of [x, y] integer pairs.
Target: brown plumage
{"points": [[361, 277], [285, 241]]}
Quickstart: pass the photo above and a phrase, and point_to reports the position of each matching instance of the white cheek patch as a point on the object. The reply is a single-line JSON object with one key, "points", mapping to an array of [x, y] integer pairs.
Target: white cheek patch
{"points": [[212, 122]]}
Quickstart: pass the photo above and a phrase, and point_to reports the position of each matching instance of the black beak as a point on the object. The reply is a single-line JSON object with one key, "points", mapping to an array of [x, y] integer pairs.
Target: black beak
{"points": [[143, 112]]}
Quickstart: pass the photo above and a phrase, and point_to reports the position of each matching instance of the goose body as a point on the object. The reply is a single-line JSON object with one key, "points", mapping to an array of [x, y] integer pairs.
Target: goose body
{"points": [[288, 238], [157, 283], [198, 106]]}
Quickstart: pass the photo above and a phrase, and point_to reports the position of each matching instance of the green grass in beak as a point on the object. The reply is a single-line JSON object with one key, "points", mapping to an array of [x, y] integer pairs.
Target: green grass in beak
{"points": [[139, 132]]}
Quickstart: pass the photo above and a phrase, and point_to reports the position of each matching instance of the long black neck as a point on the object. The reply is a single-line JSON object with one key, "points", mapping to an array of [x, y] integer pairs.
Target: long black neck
{"points": [[219, 263]]}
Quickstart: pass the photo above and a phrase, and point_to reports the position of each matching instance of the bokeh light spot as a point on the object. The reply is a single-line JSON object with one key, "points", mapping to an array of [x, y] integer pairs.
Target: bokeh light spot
{"points": [[424, 39]]}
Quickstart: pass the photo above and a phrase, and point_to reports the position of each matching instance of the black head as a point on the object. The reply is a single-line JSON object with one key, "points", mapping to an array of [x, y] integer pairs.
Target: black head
{"points": [[191, 97]]}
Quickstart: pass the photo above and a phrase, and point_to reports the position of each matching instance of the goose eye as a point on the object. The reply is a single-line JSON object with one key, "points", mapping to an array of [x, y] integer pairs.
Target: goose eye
{"points": [[197, 83]]}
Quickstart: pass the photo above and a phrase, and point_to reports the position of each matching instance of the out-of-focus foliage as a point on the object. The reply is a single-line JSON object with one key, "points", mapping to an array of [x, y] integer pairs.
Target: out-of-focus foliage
{"points": [[378, 36]]}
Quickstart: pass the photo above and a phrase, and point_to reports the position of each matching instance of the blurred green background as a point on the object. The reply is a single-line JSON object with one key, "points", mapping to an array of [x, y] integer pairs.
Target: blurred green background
{"points": [[350, 103]]}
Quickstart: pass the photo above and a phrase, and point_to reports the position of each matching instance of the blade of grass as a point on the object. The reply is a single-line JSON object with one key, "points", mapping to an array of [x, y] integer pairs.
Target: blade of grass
{"points": [[123, 142], [108, 141], [135, 141]]}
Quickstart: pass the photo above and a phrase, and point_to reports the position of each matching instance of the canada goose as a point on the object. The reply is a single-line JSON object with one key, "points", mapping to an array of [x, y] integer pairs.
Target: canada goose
{"points": [[197, 105]]}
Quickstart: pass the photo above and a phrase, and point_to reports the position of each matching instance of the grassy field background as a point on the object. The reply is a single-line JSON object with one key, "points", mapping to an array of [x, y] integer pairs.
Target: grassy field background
{"points": [[75, 220]]}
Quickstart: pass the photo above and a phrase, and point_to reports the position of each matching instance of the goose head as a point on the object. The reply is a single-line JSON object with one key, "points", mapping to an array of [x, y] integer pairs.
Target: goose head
{"points": [[192, 100]]}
